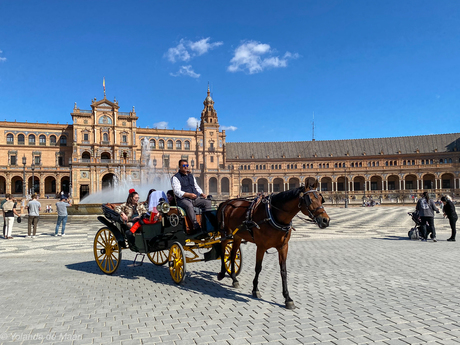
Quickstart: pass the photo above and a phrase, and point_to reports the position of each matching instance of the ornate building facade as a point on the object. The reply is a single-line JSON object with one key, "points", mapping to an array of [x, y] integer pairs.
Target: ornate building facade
{"points": [[103, 145]]}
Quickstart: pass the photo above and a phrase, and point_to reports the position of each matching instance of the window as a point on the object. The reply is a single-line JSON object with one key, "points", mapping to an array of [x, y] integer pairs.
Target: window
{"points": [[21, 139], [42, 140], [31, 139], [10, 139], [37, 160], [13, 160], [60, 161], [53, 140], [187, 145], [86, 137], [166, 161], [161, 144], [63, 140], [105, 137], [212, 159], [152, 144], [124, 138], [178, 145], [391, 185], [170, 145]]}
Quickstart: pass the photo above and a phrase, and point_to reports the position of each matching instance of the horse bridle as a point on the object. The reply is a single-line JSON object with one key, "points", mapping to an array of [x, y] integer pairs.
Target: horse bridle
{"points": [[305, 197]]}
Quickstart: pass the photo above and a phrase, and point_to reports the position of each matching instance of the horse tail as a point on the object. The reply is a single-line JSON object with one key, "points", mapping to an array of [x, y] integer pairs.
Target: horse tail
{"points": [[221, 214]]}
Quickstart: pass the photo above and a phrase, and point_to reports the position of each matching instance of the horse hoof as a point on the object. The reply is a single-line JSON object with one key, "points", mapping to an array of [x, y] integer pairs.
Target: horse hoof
{"points": [[290, 305], [236, 285], [256, 294], [220, 276]]}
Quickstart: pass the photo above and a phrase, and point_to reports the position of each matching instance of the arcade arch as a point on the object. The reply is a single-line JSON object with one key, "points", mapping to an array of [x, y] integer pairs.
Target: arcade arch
{"points": [[294, 183], [212, 185], [278, 185], [262, 185], [326, 184], [225, 185], [246, 186], [108, 180]]}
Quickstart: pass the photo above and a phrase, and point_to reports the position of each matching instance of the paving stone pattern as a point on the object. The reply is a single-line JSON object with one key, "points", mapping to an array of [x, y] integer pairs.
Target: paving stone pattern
{"points": [[361, 281]]}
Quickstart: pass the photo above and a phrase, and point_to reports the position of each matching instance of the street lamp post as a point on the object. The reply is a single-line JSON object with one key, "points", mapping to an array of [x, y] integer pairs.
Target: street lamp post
{"points": [[193, 163], [70, 179], [24, 185], [33, 178]]}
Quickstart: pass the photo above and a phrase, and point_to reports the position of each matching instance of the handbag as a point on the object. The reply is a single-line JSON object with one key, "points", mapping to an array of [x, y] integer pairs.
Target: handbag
{"points": [[19, 219]]}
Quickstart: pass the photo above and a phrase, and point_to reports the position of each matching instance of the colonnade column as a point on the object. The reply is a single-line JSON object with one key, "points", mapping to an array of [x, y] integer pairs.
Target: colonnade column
{"points": [[400, 186], [319, 185], [352, 186], [404, 184], [383, 185]]}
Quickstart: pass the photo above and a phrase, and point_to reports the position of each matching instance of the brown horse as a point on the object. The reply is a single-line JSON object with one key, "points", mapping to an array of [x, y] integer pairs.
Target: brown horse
{"points": [[269, 227]]}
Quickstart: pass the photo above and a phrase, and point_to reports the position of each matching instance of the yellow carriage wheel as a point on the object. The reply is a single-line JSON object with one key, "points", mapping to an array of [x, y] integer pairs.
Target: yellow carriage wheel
{"points": [[176, 260], [238, 259], [106, 251], [158, 258]]}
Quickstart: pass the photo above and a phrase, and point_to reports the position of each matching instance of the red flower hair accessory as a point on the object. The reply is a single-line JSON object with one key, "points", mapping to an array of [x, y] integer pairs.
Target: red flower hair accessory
{"points": [[132, 190]]}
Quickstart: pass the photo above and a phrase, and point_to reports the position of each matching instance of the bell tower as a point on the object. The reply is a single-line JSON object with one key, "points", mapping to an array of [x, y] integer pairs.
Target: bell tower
{"points": [[209, 114]]}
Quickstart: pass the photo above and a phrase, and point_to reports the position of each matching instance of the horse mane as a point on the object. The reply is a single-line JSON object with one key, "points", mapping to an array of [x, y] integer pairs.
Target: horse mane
{"points": [[286, 196]]}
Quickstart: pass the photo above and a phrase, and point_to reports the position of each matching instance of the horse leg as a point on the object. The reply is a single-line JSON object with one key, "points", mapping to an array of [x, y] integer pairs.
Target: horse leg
{"points": [[221, 274], [235, 246], [255, 283], [282, 254]]}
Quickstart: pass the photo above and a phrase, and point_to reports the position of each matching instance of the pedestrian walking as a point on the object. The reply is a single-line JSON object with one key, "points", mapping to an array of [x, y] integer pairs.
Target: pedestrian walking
{"points": [[61, 207], [9, 211], [426, 208], [449, 212], [34, 208], [3, 214]]}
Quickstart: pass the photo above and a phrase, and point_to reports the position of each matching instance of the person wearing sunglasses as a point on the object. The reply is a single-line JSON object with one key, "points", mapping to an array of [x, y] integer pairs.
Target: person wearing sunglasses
{"points": [[188, 193]]}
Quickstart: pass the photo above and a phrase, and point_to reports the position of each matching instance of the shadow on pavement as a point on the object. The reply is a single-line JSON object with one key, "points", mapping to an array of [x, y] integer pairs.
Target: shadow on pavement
{"points": [[393, 238], [203, 282]]}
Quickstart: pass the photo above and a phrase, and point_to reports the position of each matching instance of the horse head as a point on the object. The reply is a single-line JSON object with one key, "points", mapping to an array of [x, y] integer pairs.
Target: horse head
{"points": [[311, 205]]}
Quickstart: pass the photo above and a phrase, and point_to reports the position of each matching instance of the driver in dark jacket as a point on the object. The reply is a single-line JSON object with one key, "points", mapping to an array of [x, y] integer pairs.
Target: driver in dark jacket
{"points": [[188, 193]]}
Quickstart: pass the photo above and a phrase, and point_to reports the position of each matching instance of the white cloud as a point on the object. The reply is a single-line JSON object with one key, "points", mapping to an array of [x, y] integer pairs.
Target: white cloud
{"points": [[192, 122], [186, 70], [186, 49], [248, 56], [202, 46], [161, 125], [2, 58], [228, 128]]}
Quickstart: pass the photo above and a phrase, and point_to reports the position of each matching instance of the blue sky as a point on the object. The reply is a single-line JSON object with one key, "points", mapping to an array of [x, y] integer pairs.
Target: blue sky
{"points": [[364, 68]]}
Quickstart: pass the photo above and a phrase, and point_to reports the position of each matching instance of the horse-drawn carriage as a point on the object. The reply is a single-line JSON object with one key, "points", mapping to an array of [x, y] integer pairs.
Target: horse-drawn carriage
{"points": [[264, 220], [166, 241]]}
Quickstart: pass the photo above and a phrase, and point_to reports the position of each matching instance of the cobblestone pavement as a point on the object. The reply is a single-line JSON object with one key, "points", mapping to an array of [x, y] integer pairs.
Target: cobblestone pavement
{"points": [[361, 281]]}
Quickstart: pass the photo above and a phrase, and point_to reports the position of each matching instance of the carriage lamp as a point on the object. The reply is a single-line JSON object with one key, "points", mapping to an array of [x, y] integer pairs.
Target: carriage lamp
{"points": [[154, 162], [163, 207], [24, 187], [193, 163]]}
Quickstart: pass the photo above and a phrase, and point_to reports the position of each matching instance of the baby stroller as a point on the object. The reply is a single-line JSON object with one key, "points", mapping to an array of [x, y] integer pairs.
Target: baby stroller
{"points": [[414, 233]]}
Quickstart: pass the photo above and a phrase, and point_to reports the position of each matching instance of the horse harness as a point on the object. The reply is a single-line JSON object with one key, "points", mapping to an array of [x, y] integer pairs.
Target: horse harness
{"points": [[249, 223]]}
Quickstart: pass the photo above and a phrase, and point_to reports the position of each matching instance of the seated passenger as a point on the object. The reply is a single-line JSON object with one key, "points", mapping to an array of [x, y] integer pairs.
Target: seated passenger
{"points": [[153, 201], [188, 193], [132, 209], [170, 195]]}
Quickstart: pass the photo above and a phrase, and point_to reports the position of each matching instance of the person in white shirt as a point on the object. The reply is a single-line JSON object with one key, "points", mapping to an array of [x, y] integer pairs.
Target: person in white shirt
{"points": [[188, 193]]}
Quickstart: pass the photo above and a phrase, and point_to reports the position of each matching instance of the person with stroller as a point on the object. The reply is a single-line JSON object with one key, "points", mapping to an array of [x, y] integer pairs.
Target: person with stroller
{"points": [[449, 212], [426, 209]]}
